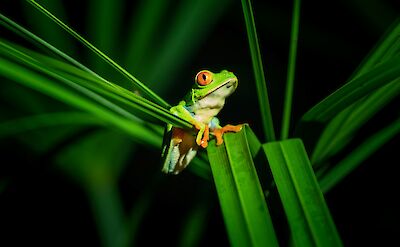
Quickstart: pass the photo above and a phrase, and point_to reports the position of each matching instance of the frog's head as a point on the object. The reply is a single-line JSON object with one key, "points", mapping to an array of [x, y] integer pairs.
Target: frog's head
{"points": [[220, 84]]}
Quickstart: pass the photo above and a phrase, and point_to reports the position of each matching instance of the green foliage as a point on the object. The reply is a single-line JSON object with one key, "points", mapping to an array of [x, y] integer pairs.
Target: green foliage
{"points": [[242, 201], [309, 219], [50, 95]]}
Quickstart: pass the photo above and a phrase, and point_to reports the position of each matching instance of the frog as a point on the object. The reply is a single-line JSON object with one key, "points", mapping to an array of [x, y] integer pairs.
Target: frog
{"points": [[200, 106]]}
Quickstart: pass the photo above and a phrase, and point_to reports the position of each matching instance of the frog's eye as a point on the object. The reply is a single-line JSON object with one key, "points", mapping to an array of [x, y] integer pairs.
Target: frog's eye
{"points": [[204, 78]]}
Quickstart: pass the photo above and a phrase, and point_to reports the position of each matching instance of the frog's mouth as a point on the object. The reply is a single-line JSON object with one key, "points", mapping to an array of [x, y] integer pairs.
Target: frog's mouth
{"points": [[233, 82]]}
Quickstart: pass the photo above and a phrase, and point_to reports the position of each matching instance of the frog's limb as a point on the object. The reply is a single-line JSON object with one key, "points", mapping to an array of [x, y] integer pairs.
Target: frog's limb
{"points": [[219, 132], [203, 131], [206, 137]]}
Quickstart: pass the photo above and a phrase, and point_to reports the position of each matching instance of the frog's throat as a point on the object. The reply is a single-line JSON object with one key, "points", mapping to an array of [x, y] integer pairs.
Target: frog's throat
{"points": [[194, 99]]}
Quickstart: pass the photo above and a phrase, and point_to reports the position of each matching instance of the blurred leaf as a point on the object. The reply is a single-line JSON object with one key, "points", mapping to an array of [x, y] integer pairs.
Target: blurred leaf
{"points": [[136, 83], [258, 70], [388, 47], [195, 224], [40, 83], [88, 81], [343, 127], [20, 125], [185, 34], [308, 215], [41, 25], [104, 21], [287, 106], [200, 166], [96, 162], [242, 201], [16, 28], [144, 24], [358, 155], [369, 82]]}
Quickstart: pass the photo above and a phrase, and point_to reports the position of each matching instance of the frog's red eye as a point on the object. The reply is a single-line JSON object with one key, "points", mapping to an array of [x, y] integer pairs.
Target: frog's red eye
{"points": [[204, 78]]}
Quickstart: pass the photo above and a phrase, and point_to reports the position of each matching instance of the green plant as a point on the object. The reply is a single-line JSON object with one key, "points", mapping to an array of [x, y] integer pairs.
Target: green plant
{"points": [[89, 121]]}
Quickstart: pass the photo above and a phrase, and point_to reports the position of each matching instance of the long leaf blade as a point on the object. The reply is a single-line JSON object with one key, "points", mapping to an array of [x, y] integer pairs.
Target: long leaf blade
{"points": [[303, 201], [244, 186], [228, 195], [20, 125], [258, 70], [42, 84], [287, 107], [103, 56], [355, 89], [343, 127], [105, 88], [358, 155]]}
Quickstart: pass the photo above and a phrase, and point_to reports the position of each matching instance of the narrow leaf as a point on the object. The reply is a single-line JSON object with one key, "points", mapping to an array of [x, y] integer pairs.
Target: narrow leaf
{"points": [[287, 107], [184, 36], [42, 84], [106, 88], [16, 28], [20, 125], [41, 25], [104, 22], [355, 89], [141, 31], [358, 155], [258, 71], [237, 179], [146, 91], [386, 48], [308, 215], [343, 127], [228, 195]]}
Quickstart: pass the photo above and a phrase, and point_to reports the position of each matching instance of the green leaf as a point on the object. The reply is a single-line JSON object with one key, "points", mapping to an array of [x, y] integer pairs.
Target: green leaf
{"points": [[343, 127], [242, 201], [42, 84], [184, 36], [16, 28], [81, 78], [369, 82], [20, 125], [195, 223], [136, 83], [308, 215], [41, 25], [358, 155], [141, 31], [287, 107], [254, 143], [387, 47], [340, 130], [104, 22], [258, 70], [96, 162]]}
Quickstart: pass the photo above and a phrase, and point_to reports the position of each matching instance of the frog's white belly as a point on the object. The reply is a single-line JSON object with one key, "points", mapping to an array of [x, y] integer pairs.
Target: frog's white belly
{"points": [[208, 107]]}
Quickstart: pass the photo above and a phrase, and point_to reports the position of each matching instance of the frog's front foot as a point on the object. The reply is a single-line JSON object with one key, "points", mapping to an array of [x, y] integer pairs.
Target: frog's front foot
{"points": [[203, 135], [227, 128]]}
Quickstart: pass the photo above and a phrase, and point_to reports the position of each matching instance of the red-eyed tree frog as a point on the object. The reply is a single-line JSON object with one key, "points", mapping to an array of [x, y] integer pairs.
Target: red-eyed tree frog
{"points": [[199, 107]]}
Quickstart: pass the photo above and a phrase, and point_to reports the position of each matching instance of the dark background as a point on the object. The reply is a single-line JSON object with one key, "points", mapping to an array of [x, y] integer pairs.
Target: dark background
{"points": [[42, 205]]}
